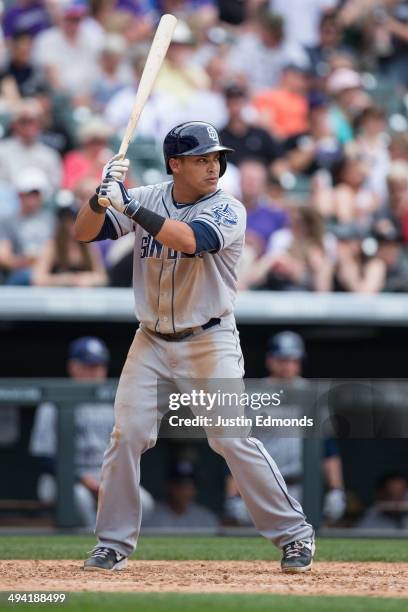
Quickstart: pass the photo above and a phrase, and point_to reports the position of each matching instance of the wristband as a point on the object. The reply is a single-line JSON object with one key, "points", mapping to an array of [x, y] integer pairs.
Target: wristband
{"points": [[95, 207], [147, 219]]}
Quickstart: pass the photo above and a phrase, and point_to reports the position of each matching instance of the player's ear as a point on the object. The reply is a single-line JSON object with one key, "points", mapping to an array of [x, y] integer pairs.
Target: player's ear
{"points": [[175, 164], [71, 368]]}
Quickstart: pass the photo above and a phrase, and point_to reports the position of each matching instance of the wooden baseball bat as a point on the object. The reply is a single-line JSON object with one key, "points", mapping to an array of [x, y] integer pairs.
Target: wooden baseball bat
{"points": [[157, 53]]}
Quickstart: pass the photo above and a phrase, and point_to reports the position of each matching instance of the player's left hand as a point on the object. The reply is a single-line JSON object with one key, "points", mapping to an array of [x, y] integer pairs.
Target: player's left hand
{"points": [[334, 504], [116, 168], [119, 197]]}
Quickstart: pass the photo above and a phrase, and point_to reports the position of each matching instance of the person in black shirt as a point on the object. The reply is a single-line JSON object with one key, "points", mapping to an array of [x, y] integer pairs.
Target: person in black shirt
{"points": [[19, 77], [248, 141]]}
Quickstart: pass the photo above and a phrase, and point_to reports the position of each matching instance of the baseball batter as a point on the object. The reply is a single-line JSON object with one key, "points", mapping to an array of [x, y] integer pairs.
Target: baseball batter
{"points": [[188, 239]]}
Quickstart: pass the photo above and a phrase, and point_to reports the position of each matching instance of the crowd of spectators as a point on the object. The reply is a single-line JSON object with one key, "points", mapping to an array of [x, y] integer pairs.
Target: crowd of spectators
{"points": [[311, 94]]}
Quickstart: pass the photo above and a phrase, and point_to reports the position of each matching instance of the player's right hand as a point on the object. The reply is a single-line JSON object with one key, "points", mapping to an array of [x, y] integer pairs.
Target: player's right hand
{"points": [[116, 168], [116, 193]]}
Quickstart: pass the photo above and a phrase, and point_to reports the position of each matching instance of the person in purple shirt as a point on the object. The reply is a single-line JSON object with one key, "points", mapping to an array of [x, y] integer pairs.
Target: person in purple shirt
{"points": [[263, 216], [29, 16], [136, 7]]}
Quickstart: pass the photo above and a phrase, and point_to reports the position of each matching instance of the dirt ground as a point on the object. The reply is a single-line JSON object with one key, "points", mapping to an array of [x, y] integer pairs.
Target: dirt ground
{"points": [[376, 579]]}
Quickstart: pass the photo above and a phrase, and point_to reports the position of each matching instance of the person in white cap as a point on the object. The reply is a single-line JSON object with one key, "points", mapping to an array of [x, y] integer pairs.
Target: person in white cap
{"points": [[23, 149], [68, 52], [345, 86], [22, 236]]}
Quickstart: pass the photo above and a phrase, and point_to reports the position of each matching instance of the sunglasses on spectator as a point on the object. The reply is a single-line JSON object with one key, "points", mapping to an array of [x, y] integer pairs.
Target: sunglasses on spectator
{"points": [[96, 140], [31, 192], [27, 120], [73, 18]]}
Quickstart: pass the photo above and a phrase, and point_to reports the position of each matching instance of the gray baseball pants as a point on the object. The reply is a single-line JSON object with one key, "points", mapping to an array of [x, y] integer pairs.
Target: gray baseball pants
{"points": [[210, 354]]}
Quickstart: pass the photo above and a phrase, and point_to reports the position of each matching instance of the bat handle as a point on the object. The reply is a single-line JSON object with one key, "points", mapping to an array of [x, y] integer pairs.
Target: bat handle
{"points": [[103, 201]]}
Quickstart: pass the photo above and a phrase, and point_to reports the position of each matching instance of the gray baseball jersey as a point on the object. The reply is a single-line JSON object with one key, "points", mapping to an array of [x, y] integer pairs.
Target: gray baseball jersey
{"points": [[175, 291], [93, 425]]}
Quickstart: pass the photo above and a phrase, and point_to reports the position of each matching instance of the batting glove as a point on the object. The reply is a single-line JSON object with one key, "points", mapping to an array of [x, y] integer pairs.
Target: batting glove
{"points": [[119, 197], [116, 168], [334, 504]]}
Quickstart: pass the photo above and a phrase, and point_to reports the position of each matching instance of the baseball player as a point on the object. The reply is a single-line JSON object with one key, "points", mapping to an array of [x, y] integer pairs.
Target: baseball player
{"points": [[188, 239], [88, 359], [284, 361]]}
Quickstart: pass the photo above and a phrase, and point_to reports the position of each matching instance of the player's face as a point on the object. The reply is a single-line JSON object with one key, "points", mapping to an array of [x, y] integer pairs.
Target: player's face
{"points": [[84, 371], [284, 369], [197, 173]]}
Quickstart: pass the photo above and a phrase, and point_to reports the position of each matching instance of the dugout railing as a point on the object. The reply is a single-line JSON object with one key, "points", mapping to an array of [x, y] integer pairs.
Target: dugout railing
{"points": [[66, 394]]}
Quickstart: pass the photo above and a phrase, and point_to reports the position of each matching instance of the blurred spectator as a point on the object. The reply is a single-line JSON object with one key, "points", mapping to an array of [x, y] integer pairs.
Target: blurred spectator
{"points": [[390, 511], [25, 16], [361, 272], [209, 104], [65, 262], [24, 150], [350, 200], [345, 86], [298, 258], [119, 260], [302, 18], [69, 53], [317, 148], [284, 361], [260, 55], [113, 75], [283, 110], [134, 19], [179, 509], [247, 140], [398, 147], [178, 76], [23, 235], [84, 190], [55, 132], [153, 122], [386, 27], [395, 207], [389, 267], [330, 41], [351, 261], [89, 160], [232, 12], [263, 216], [88, 360], [199, 14], [371, 146], [19, 77]]}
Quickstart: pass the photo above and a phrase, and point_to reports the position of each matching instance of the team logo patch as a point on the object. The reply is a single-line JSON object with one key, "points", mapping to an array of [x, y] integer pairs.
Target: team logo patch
{"points": [[222, 213], [212, 133]]}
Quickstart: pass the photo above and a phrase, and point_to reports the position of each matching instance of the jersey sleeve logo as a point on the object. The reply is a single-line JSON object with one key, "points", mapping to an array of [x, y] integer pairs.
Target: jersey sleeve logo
{"points": [[222, 213]]}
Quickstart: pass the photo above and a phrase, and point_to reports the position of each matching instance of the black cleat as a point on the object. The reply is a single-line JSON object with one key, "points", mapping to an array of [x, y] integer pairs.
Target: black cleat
{"points": [[103, 558], [298, 556]]}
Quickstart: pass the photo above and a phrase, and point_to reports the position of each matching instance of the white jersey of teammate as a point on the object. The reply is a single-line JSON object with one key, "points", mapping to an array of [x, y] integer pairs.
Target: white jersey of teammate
{"points": [[175, 291]]}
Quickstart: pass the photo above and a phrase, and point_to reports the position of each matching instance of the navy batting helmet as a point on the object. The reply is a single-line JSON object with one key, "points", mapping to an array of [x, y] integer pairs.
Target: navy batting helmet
{"points": [[194, 138], [286, 345]]}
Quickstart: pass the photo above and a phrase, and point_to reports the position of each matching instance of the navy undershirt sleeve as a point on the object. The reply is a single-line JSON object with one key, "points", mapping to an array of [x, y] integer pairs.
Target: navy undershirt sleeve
{"points": [[107, 231], [206, 238], [330, 448]]}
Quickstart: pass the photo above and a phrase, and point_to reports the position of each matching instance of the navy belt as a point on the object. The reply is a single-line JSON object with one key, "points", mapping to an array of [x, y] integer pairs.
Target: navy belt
{"points": [[186, 333]]}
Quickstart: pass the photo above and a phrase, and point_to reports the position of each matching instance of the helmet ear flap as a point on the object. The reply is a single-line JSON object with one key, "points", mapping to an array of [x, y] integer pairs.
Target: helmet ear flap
{"points": [[223, 163]]}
